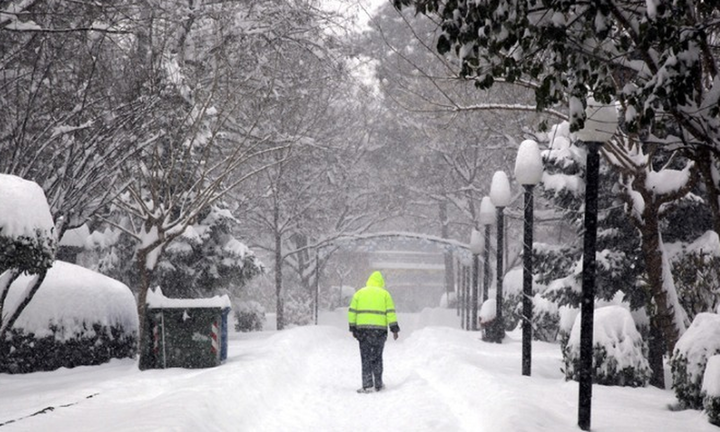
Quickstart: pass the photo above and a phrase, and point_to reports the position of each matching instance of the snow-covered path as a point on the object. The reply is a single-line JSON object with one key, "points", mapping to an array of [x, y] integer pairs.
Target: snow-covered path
{"points": [[304, 379]]}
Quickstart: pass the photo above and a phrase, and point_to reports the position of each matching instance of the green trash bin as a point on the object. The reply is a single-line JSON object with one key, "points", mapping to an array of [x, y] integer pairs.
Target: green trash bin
{"points": [[185, 333]]}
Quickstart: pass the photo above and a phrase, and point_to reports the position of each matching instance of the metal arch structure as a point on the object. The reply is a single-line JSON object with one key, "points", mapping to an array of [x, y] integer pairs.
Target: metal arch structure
{"points": [[462, 249]]}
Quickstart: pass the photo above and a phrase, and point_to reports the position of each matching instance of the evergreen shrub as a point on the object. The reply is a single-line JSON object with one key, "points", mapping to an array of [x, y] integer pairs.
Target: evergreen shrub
{"points": [[23, 352], [712, 409], [545, 320], [619, 352], [249, 316], [689, 359], [711, 390]]}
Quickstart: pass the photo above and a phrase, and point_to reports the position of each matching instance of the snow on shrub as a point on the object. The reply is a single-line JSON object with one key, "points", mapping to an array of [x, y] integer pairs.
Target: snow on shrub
{"points": [[690, 356], [711, 389], [77, 317], [27, 240], [249, 316], [512, 297], [618, 349], [447, 300], [567, 316], [486, 316], [545, 319]]}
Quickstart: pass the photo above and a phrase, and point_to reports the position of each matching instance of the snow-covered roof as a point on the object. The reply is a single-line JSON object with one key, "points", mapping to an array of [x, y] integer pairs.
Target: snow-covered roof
{"points": [[71, 296], [23, 208], [157, 300]]}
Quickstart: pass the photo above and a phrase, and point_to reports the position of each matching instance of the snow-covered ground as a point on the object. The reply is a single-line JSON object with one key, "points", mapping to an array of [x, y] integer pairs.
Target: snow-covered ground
{"points": [[439, 378]]}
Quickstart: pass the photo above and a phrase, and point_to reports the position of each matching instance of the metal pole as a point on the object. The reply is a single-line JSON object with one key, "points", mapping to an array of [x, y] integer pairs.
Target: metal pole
{"points": [[474, 296], [499, 325], [462, 297], [162, 324], [527, 283], [458, 284], [466, 275], [317, 284], [486, 264], [588, 285]]}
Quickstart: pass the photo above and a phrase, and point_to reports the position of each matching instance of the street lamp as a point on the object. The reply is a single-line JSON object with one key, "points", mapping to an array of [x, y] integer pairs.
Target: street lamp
{"points": [[476, 246], [487, 219], [600, 125], [500, 197], [528, 172]]}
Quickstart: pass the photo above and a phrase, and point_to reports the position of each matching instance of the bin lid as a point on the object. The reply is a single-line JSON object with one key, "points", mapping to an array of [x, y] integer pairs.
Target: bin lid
{"points": [[157, 300]]}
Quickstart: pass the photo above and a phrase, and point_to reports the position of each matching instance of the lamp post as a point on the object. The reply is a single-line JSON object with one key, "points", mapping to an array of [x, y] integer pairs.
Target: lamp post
{"points": [[600, 125], [500, 197], [467, 282], [487, 219], [476, 246], [461, 301], [316, 302], [528, 172]]}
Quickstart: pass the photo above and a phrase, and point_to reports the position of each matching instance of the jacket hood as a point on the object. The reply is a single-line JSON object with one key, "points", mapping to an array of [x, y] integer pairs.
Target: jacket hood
{"points": [[376, 280]]}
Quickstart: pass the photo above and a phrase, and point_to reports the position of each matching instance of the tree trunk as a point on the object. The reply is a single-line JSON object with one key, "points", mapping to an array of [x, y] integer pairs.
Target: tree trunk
{"points": [[705, 161], [278, 283], [661, 313], [656, 351], [7, 325], [5, 282], [144, 361]]}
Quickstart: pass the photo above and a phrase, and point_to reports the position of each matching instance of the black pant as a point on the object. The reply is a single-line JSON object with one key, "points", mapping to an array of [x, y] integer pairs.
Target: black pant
{"points": [[372, 343]]}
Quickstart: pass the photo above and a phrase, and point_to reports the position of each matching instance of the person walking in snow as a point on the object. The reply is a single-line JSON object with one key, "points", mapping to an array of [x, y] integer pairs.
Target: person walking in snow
{"points": [[370, 314]]}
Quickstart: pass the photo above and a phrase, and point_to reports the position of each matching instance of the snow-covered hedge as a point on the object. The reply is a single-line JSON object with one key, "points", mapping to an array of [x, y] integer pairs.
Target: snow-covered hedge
{"points": [[711, 390], [249, 316], [690, 356], [27, 240], [77, 317], [619, 352]]}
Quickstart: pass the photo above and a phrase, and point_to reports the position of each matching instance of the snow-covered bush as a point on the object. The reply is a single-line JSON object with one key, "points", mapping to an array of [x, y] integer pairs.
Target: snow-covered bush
{"points": [[448, 300], [512, 298], [711, 389], [486, 316], [27, 241], [690, 356], [77, 317], [697, 277], [567, 316], [545, 319], [618, 350], [249, 316], [298, 308]]}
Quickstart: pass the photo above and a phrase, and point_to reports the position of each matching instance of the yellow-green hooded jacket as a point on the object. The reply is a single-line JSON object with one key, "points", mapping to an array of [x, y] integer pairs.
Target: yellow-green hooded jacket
{"points": [[372, 307]]}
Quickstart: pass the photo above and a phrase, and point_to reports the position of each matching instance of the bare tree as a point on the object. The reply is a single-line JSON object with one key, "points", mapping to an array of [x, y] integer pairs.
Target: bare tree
{"points": [[67, 124]]}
